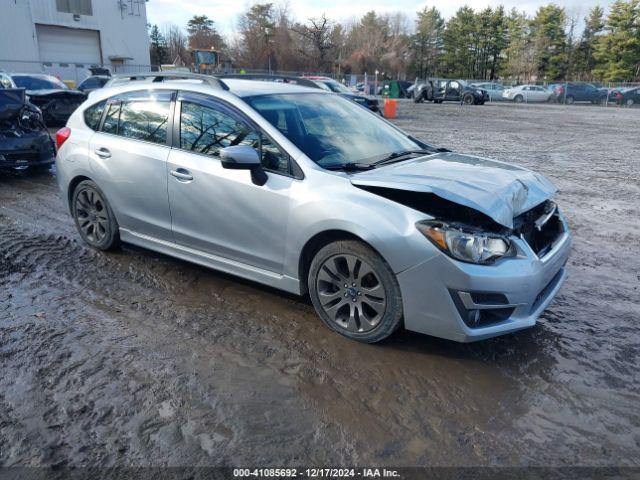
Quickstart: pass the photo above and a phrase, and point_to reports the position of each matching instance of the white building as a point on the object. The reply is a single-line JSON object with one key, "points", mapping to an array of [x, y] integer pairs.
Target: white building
{"points": [[66, 37]]}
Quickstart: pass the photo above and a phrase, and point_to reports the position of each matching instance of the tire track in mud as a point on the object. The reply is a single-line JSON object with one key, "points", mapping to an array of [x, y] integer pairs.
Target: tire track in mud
{"points": [[40, 258]]}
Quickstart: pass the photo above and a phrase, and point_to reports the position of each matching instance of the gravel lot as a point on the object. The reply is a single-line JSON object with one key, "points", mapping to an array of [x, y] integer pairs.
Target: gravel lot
{"points": [[134, 358]]}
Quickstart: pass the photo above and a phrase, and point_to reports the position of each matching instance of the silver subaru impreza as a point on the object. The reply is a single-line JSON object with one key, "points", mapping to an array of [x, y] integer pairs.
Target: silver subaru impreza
{"points": [[308, 192]]}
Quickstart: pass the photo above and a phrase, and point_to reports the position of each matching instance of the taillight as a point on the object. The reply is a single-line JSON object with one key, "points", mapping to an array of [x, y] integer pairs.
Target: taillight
{"points": [[62, 136]]}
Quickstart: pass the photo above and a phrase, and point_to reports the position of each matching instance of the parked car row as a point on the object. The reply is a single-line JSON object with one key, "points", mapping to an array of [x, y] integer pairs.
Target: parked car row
{"points": [[479, 93]]}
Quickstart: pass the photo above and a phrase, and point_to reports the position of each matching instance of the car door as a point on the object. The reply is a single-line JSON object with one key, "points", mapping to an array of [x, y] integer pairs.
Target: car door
{"points": [[129, 158], [453, 91], [222, 211], [535, 94]]}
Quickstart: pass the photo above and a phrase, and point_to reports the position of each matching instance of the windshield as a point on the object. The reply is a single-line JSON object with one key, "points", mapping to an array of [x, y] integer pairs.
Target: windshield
{"points": [[40, 82], [331, 130]]}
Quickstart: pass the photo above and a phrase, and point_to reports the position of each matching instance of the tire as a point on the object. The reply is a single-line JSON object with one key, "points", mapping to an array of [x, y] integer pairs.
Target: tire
{"points": [[629, 102], [518, 99], [418, 98], [93, 217], [468, 100], [369, 308], [569, 100]]}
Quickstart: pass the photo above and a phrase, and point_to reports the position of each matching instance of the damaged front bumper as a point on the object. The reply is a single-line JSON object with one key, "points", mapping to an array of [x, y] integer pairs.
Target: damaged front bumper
{"points": [[466, 302], [32, 149]]}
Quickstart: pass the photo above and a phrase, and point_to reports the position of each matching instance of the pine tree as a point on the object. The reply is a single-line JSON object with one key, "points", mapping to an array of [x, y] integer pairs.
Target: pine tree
{"points": [[426, 43], [584, 60], [158, 51], [549, 42], [518, 54], [618, 50], [460, 43]]}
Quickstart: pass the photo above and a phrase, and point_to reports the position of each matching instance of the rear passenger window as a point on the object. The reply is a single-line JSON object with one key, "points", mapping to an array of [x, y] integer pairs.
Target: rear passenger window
{"points": [[93, 115], [144, 121], [139, 116], [112, 118]]}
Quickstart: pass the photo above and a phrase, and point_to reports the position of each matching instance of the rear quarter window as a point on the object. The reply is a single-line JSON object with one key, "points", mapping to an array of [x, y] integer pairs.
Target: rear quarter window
{"points": [[93, 115]]}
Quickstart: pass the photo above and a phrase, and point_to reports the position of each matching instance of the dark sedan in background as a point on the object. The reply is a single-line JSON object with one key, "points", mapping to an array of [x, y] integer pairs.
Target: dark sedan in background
{"points": [[629, 96]]}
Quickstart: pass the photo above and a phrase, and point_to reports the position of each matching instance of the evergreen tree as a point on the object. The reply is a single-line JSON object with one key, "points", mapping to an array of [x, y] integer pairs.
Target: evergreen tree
{"points": [[426, 43], [460, 43], [518, 54], [158, 51], [593, 26], [549, 42], [203, 34], [618, 50]]}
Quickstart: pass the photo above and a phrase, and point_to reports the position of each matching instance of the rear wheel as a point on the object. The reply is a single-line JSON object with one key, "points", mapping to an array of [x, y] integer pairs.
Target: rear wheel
{"points": [[629, 102], [355, 292], [468, 99], [93, 217], [569, 100]]}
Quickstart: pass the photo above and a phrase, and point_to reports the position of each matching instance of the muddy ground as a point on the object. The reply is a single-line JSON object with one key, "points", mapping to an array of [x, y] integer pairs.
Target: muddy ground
{"points": [[134, 358]]}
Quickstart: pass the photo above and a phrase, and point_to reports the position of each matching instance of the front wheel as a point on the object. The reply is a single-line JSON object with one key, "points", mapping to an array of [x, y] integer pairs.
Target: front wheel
{"points": [[518, 99], [93, 217], [468, 100], [629, 102], [355, 292]]}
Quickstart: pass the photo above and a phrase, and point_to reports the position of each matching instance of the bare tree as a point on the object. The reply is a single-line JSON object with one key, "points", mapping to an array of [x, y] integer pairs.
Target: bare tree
{"points": [[176, 44], [317, 40]]}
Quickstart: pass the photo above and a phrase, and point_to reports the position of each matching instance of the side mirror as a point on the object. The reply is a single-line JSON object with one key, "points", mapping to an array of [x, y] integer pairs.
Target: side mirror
{"points": [[244, 157], [239, 157]]}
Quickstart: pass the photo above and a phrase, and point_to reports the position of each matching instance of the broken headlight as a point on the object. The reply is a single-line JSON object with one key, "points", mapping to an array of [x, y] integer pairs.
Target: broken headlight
{"points": [[466, 244]]}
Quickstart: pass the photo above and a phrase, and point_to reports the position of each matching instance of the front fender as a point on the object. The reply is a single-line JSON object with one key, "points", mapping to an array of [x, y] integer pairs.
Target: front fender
{"points": [[385, 225]]}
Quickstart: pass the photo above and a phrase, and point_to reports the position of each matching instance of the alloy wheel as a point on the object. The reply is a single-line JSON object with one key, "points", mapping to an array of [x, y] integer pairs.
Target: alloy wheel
{"points": [[92, 216], [351, 293]]}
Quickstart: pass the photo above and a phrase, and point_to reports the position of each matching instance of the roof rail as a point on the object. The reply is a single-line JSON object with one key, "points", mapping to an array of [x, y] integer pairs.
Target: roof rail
{"points": [[303, 82], [155, 77]]}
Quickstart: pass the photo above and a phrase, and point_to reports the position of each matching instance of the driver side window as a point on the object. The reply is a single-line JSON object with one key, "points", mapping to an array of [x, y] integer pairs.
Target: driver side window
{"points": [[206, 130]]}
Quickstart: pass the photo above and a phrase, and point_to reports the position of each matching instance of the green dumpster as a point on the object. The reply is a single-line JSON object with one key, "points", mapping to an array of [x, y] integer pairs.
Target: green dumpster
{"points": [[395, 88]]}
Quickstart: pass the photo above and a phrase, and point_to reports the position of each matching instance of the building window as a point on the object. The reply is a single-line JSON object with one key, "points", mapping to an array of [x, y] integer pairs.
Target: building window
{"points": [[77, 7]]}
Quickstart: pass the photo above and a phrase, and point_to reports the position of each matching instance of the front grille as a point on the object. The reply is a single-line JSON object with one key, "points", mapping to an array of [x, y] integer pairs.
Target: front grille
{"points": [[540, 227]]}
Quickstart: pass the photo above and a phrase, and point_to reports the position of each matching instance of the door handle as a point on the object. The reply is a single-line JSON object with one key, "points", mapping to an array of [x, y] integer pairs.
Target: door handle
{"points": [[103, 152], [182, 175]]}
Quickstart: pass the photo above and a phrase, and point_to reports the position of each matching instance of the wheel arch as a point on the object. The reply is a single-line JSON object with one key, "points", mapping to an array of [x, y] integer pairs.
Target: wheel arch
{"points": [[316, 243], [73, 184]]}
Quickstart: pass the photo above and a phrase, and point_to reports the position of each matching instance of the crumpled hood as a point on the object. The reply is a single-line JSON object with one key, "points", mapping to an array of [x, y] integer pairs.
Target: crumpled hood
{"points": [[499, 190]]}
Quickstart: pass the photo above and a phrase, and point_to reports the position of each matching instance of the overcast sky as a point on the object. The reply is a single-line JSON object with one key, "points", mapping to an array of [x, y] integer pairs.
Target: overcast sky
{"points": [[225, 12]]}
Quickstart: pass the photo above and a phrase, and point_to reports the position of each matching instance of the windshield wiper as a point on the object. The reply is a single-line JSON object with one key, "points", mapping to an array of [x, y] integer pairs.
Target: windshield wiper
{"points": [[351, 167], [397, 156]]}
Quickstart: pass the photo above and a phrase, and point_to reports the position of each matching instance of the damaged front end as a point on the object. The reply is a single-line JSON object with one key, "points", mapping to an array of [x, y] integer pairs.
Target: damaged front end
{"points": [[56, 105], [477, 206], [24, 140]]}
